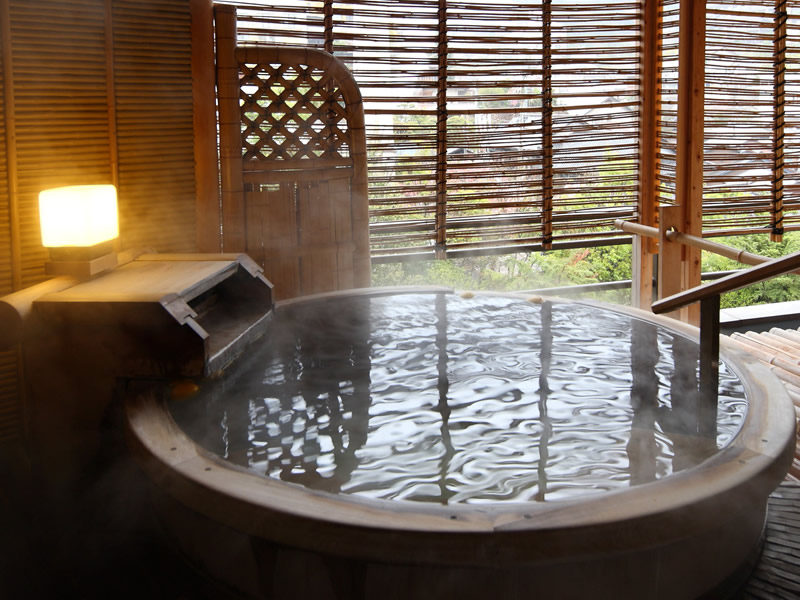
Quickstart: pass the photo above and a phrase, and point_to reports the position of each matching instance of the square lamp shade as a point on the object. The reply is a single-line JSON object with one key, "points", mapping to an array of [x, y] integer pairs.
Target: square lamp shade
{"points": [[78, 215]]}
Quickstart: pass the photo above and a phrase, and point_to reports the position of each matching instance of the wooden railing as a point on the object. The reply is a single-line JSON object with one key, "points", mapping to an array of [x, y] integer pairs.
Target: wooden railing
{"points": [[708, 295]]}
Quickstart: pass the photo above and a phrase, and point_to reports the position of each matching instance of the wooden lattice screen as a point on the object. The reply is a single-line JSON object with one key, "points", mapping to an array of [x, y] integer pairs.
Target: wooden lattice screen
{"points": [[293, 156]]}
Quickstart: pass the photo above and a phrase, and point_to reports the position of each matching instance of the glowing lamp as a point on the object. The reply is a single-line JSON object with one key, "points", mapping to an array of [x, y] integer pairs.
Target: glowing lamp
{"points": [[78, 215], [78, 224]]}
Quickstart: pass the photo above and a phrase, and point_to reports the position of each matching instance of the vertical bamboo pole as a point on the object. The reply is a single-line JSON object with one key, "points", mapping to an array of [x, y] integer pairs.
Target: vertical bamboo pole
{"points": [[644, 247], [547, 127], [689, 159], [234, 238], [11, 146], [441, 136], [359, 182], [206, 170], [328, 26], [779, 104]]}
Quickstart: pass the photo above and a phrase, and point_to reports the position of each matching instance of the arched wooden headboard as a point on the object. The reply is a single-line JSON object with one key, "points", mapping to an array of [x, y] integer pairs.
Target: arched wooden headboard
{"points": [[293, 162]]}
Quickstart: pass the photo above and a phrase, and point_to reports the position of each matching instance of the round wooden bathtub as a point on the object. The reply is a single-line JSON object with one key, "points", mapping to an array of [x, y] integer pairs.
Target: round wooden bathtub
{"points": [[693, 533]]}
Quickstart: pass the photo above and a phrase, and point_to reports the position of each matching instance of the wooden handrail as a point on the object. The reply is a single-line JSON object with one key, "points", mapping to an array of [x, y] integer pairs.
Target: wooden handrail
{"points": [[742, 256], [773, 268], [709, 297]]}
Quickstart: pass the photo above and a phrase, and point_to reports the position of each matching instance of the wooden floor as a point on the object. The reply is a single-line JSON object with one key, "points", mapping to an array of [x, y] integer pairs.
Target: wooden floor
{"points": [[777, 574], [130, 561], [780, 350]]}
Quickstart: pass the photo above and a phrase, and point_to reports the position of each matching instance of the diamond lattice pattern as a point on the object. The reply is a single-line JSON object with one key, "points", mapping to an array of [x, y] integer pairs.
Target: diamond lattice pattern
{"points": [[291, 112]]}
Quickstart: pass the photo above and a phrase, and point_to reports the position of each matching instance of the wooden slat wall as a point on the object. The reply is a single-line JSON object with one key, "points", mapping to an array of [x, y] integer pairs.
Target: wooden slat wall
{"points": [[61, 57], [10, 408], [57, 54], [62, 130], [6, 277], [153, 81]]}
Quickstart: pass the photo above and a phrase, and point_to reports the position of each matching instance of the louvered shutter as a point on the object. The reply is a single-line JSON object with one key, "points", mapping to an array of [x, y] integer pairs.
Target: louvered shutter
{"points": [[153, 91]]}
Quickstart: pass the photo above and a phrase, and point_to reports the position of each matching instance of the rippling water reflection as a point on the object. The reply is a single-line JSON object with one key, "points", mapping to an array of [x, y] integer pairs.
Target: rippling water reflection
{"points": [[433, 397]]}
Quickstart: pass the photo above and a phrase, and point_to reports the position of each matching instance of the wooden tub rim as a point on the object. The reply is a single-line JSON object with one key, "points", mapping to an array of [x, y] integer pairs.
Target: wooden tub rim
{"points": [[675, 508]]}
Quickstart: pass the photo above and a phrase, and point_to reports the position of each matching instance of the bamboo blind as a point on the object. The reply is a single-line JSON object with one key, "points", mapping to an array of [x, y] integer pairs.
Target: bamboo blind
{"points": [[738, 149], [666, 134], [751, 115], [511, 125]]}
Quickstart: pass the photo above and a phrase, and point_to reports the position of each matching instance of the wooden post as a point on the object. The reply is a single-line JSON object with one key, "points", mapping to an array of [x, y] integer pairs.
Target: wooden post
{"points": [[709, 366], [644, 248], [689, 158], [327, 20], [11, 146], [206, 171], [669, 260], [234, 237], [111, 97]]}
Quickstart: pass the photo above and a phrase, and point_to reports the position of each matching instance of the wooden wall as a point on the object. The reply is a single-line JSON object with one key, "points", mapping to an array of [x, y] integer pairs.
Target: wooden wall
{"points": [[92, 91]]}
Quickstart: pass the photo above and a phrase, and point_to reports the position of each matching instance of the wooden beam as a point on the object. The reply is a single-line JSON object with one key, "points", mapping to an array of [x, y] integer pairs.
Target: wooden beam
{"points": [[11, 146], [111, 96], [234, 237], [645, 248], [709, 367], [669, 262], [206, 171], [734, 281], [689, 159]]}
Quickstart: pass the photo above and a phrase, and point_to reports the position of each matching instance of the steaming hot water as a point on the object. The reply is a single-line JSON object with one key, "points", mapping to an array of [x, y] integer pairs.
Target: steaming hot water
{"points": [[447, 399]]}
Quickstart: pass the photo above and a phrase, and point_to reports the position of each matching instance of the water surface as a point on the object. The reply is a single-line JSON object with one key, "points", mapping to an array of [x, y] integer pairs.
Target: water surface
{"points": [[439, 398]]}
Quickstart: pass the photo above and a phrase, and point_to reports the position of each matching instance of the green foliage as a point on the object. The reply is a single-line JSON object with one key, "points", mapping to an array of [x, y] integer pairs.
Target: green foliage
{"points": [[516, 272], [780, 289], [558, 268]]}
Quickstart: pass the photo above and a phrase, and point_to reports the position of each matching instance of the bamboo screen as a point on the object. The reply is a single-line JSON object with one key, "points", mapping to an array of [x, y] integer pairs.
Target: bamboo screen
{"points": [[667, 120], [488, 124], [739, 145], [751, 115]]}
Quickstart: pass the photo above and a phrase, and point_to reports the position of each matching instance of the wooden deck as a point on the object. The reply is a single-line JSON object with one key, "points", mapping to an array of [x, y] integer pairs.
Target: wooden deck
{"points": [[780, 350], [777, 574]]}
